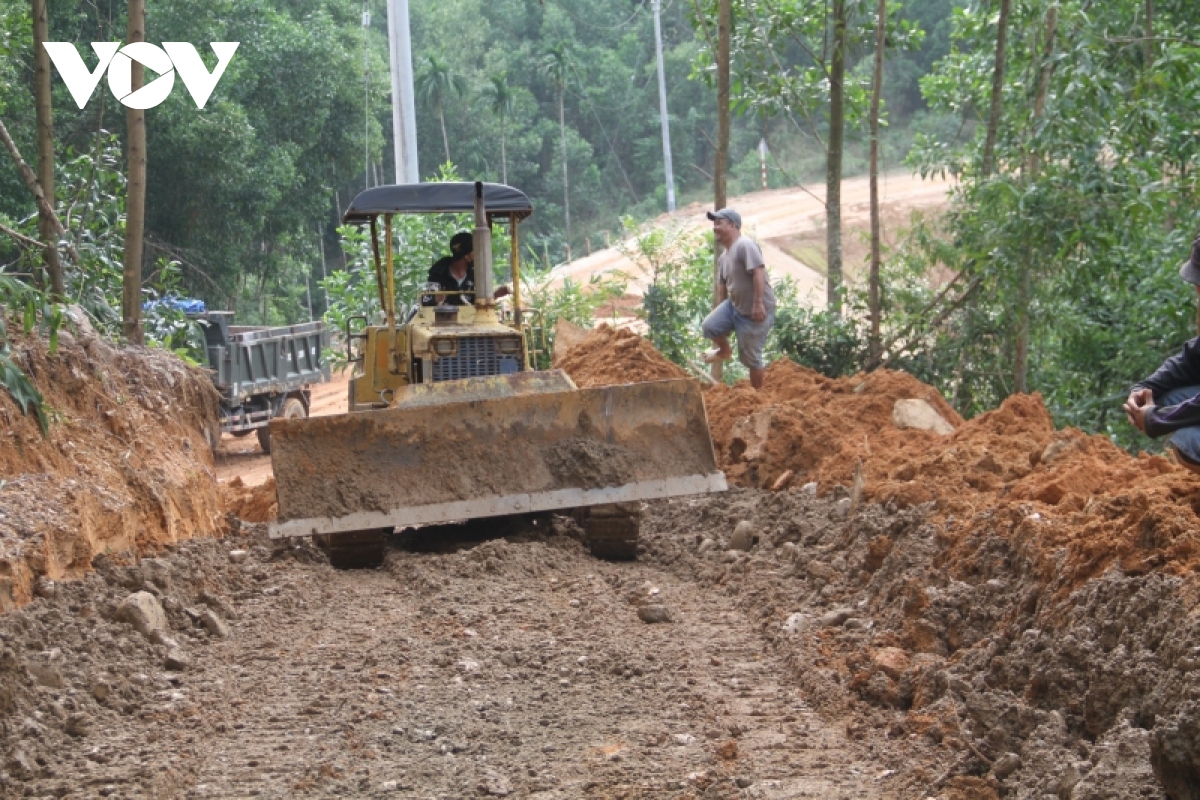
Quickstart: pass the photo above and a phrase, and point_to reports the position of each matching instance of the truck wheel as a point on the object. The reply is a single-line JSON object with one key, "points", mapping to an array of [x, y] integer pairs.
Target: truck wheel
{"points": [[292, 408], [611, 531]]}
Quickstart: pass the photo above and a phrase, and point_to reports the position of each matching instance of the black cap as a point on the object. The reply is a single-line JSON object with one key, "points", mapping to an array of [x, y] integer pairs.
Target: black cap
{"points": [[1190, 270], [462, 244]]}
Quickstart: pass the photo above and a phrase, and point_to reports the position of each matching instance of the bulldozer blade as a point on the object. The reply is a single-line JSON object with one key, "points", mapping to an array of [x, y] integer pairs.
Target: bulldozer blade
{"points": [[513, 454]]}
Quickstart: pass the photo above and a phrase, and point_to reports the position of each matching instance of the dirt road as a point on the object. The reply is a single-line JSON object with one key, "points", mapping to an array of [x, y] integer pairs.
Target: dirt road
{"points": [[503, 668], [789, 224]]}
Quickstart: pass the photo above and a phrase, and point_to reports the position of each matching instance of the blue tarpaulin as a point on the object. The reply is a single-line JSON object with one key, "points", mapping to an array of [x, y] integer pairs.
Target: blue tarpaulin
{"points": [[185, 304]]}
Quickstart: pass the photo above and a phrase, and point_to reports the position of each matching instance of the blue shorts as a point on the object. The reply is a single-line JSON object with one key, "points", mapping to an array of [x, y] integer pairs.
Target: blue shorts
{"points": [[751, 335], [1186, 441]]}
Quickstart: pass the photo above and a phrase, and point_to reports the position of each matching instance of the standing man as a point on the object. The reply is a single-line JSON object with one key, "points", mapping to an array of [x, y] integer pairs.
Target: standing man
{"points": [[745, 302], [1169, 400]]}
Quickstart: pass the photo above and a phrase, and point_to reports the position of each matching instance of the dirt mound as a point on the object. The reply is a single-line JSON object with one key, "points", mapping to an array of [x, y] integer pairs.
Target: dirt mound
{"points": [[608, 356], [127, 465], [819, 428], [251, 503]]}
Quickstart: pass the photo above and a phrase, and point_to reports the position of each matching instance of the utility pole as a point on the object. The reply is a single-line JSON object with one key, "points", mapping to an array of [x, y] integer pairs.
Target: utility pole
{"points": [[404, 115], [662, 107], [724, 23]]}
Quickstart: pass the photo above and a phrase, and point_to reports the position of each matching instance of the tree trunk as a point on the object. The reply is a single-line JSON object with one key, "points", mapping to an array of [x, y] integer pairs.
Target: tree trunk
{"points": [[503, 155], [135, 203], [833, 164], [45, 137], [876, 246], [562, 127], [445, 141], [993, 126], [1042, 69], [721, 166], [1148, 42]]}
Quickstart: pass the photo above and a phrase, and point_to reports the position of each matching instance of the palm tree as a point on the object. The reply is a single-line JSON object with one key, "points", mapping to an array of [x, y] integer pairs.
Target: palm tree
{"points": [[500, 98], [434, 85], [556, 64]]}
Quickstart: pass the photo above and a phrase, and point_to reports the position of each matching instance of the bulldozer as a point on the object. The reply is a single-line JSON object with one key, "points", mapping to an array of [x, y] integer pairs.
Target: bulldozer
{"points": [[449, 420]]}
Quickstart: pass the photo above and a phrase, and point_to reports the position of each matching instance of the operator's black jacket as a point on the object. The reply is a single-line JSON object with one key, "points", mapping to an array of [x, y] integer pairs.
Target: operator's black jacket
{"points": [[1176, 372], [439, 273]]}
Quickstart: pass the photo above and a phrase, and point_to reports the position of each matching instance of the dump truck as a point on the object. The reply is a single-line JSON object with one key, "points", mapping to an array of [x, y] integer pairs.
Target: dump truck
{"points": [[262, 373], [448, 420]]}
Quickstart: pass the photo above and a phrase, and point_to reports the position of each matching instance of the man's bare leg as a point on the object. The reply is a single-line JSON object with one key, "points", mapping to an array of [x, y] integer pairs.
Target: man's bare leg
{"points": [[756, 378], [724, 351]]}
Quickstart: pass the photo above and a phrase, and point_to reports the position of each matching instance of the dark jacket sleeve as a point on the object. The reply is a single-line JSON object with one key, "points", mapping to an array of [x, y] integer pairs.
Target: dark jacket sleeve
{"points": [[1182, 369]]}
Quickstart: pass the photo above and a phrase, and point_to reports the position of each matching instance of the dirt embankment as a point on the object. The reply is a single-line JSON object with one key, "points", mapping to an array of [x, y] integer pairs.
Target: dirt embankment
{"points": [[1019, 595], [127, 465]]}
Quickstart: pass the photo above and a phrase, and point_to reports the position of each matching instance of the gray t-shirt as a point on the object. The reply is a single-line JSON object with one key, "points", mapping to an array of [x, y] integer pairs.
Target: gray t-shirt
{"points": [[737, 265]]}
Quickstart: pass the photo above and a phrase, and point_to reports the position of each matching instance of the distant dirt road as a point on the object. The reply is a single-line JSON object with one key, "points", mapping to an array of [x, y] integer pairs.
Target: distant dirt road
{"points": [[789, 224], [245, 459]]}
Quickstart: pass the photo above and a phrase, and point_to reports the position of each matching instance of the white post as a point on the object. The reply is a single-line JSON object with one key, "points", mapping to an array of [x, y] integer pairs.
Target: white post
{"points": [[662, 108], [404, 115]]}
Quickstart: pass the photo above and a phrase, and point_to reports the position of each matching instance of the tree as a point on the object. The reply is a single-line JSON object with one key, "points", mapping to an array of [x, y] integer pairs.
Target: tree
{"points": [[556, 64], [135, 203], [45, 137], [500, 99], [876, 311], [435, 83]]}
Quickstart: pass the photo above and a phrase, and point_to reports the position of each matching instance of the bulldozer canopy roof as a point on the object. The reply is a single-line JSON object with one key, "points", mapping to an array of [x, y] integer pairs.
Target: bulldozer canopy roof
{"points": [[436, 198]]}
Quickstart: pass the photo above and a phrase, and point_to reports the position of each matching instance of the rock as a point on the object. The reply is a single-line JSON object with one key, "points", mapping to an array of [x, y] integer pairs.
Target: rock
{"points": [[177, 661], [783, 481], [47, 676], [744, 536], [654, 613], [841, 509], [509, 659], [727, 750], [835, 618], [214, 625], [1006, 765], [706, 544], [157, 571], [920, 415], [101, 690], [20, 764], [892, 661], [809, 489], [44, 587], [143, 611], [683, 738], [743, 782], [238, 556], [496, 785], [78, 725], [797, 623]]}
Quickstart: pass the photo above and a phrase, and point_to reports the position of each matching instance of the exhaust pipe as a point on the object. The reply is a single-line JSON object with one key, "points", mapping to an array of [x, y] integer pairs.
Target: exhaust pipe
{"points": [[484, 280]]}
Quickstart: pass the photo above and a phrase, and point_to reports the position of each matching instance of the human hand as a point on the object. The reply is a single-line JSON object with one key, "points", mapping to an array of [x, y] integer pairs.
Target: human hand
{"points": [[759, 312], [1137, 406]]}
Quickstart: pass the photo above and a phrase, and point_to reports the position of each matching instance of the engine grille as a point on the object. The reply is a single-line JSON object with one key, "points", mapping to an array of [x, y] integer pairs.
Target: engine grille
{"points": [[477, 356]]}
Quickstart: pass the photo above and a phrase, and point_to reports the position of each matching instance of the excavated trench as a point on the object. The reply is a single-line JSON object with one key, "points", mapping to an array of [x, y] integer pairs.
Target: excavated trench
{"points": [[1001, 610]]}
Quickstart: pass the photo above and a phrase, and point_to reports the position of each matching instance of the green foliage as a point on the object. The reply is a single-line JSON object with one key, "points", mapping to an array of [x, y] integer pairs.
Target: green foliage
{"points": [[832, 344], [1081, 226], [677, 268]]}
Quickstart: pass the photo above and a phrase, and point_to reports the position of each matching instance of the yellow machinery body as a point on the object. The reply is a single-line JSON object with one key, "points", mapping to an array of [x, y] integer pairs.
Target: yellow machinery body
{"points": [[448, 421]]}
